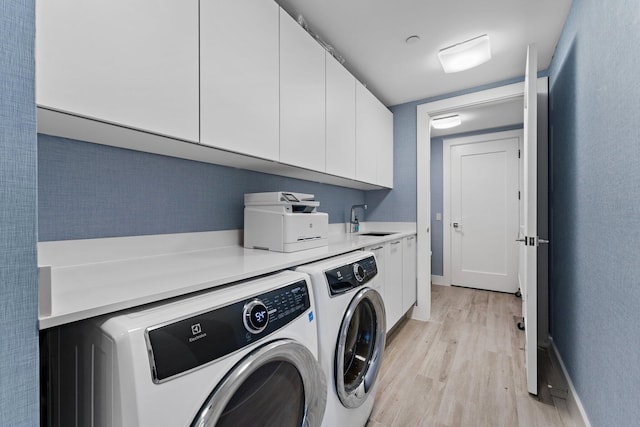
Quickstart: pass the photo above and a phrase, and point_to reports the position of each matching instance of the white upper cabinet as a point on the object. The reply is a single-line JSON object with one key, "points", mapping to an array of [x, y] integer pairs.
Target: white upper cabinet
{"points": [[374, 139], [384, 175], [130, 63], [240, 76], [341, 120], [366, 139], [302, 97]]}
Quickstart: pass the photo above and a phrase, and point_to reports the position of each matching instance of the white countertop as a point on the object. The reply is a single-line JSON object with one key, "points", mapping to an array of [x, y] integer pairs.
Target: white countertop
{"points": [[87, 280]]}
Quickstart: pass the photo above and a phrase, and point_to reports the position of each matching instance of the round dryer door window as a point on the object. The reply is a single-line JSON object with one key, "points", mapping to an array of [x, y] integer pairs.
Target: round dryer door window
{"points": [[360, 347], [279, 384]]}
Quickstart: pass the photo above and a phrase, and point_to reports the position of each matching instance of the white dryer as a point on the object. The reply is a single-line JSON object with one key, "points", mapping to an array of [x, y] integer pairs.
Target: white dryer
{"points": [[241, 355], [351, 333]]}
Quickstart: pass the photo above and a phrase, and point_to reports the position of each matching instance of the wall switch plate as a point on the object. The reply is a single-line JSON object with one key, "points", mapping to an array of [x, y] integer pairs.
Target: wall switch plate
{"points": [[438, 216]]}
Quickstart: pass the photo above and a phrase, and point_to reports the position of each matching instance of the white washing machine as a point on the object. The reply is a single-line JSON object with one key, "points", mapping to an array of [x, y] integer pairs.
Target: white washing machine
{"points": [[242, 355], [351, 333]]}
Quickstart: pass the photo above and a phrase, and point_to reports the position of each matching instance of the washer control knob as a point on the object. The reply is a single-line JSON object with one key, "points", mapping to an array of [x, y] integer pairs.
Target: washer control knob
{"points": [[255, 316], [359, 272]]}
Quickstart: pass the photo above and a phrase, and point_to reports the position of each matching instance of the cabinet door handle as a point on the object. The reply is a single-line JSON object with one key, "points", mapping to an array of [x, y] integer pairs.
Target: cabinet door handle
{"points": [[377, 248], [395, 243], [411, 237]]}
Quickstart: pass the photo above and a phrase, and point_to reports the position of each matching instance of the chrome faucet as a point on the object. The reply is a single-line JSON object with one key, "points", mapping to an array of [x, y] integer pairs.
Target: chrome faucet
{"points": [[355, 224]]}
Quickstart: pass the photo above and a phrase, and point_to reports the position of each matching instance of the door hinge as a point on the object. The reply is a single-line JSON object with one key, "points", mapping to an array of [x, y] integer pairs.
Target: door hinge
{"points": [[518, 153], [532, 241], [518, 195]]}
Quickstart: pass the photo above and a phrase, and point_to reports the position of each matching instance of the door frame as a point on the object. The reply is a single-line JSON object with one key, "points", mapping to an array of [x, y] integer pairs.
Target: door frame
{"points": [[424, 113], [447, 143]]}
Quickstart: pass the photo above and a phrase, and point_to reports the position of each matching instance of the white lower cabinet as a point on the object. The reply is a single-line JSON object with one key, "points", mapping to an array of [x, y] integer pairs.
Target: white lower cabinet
{"points": [[409, 291], [378, 282], [393, 282], [396, 279]]}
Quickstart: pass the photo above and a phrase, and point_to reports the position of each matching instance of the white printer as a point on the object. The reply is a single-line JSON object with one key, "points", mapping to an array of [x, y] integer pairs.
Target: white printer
{"points": [[284, 222]]}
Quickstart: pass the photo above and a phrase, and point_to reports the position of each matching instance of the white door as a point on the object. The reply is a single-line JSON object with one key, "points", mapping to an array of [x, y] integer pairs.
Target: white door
{"points": [[484, 211], [530, 240]]}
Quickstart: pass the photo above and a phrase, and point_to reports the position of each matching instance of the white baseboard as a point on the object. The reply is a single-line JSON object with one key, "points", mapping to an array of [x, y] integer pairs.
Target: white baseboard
{"points": [[439, 280], [573, 398]]}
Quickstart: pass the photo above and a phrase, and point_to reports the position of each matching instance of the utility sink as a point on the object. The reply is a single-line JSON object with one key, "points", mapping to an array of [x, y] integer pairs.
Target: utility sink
{"points": [[377, 233]]}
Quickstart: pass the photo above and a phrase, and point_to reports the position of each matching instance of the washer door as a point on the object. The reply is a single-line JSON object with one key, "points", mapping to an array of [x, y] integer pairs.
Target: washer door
{"points": [[360, 347], [279, 384]]}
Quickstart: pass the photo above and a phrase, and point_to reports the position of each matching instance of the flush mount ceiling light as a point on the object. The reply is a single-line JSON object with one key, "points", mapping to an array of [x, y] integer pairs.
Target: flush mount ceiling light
{"points": [[446, 122], [465, 55]]}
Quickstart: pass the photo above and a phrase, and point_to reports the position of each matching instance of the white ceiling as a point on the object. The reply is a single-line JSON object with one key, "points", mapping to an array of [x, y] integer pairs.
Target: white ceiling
{"points": [[371, 34]]}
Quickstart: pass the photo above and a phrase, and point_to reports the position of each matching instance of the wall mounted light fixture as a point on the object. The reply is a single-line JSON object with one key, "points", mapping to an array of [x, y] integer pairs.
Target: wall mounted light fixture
{"points": [[446, 122]]}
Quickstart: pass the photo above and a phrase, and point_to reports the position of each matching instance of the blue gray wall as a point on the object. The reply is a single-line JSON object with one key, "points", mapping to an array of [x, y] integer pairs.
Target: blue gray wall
{"points": [[89, 191], [19, 401], [595, 207]]}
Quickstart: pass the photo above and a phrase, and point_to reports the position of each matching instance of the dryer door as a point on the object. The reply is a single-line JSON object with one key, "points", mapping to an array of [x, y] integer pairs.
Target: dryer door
{"points": [[360, 347], [279, 384]]}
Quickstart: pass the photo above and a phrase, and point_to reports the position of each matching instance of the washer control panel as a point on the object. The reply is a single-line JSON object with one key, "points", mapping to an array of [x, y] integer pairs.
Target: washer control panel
{"points": [[256, 316], [191, 342], [359, 272], [349, 276]]}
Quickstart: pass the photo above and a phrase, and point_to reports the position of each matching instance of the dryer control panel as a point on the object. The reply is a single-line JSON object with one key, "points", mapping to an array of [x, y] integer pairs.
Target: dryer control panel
{"points": [[189, 343], [350, 276]]}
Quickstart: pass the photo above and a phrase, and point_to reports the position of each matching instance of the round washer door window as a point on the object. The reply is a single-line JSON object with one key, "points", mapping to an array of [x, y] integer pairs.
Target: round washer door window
{"points": [[360, 347], [279, 384]]}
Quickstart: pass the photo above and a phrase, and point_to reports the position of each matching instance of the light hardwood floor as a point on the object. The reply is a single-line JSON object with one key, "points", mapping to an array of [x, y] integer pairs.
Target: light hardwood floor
{"points": [[465, 367]]}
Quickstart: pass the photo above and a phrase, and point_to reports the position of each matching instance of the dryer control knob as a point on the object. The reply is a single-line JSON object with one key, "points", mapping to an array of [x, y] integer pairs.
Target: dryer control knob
{"points": [[256, 316], [359, 272]]}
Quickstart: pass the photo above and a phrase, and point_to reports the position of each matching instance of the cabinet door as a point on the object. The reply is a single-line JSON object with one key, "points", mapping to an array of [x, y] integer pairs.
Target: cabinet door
{"points": [[378, 282], [408, 272], [240, 76], [118, 61], [384, 124], [341, 120], [393, 282], [302, 97], [366, 136]]}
